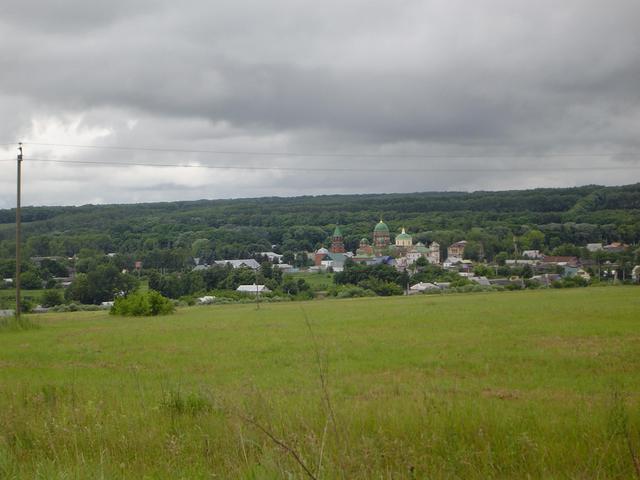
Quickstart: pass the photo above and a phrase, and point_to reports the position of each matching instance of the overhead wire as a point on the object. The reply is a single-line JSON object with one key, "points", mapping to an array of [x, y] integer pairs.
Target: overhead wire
{"points": [[335, 169], [329, 154]]}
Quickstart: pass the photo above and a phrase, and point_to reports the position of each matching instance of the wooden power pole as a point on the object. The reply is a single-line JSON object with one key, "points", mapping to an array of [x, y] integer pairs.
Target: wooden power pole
{"points": [[18, 259]]}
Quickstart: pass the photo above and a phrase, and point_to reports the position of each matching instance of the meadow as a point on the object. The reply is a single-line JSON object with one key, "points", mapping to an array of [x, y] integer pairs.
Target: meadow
{"points": [[318, 281], [528, 384], [8, 297]]}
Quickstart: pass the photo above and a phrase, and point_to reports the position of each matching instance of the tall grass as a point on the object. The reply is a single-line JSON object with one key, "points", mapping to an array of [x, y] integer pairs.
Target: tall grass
{"points": [[517, 385], [14, 324]]}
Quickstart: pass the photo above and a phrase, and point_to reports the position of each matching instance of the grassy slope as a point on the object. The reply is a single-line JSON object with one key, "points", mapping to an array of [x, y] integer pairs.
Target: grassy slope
{"points": [[8, 297], [464, 386], [317, 281]]}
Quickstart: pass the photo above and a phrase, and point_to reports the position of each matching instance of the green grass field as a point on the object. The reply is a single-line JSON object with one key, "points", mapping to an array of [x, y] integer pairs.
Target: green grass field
{"points": [[317, 281], [8, 297], [531, 384]]}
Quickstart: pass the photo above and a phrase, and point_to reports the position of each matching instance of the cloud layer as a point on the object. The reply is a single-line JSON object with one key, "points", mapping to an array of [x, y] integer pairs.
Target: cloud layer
{"points": [[506, 82]]}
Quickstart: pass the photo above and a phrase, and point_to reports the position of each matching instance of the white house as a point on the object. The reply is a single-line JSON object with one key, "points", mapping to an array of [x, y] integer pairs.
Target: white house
{"points": [[594, 247], [246, 262], [272, 256], [483, 281], [521, 262], [253, 289], [532, 254]]}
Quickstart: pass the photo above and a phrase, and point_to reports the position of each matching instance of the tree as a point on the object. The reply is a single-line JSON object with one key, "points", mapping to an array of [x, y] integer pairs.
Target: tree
{"points": [[201, 248], [473, 251], [501, 258], [527, 271], [532, 240], [482, 270], [288, 257], [30, 281], [100, 285], [421, 263]]}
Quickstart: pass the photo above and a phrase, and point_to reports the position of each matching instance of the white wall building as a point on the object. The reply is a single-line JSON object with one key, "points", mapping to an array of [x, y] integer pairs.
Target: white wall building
{"points": [[253, 289]]}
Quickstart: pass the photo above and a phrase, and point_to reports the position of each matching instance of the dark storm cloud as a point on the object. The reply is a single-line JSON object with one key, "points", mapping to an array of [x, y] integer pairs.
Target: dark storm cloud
{"points": [[487, 78]]}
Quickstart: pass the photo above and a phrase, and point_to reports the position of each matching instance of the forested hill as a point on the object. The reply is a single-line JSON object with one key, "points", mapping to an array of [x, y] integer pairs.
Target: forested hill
{"points": [[241, 227]]}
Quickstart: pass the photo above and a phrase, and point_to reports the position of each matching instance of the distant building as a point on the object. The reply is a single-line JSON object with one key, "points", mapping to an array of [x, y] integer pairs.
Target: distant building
{"points": [[512, 262], [456, 250], [320, 255], [483, 281], [325, 259], [38, 260], [337, 241], [247, 262], [594, 247], [546, 279], [285, 267], [365, 250], [615, 247], [560, 260], [381, 236], [434, 253], [272, 256], [532, 254], [404, 240], [431, 253], [502, 282], [253, 289]]}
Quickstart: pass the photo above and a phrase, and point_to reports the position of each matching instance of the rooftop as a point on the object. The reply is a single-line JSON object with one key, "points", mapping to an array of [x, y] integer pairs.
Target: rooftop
{"points": [[381, 227]]}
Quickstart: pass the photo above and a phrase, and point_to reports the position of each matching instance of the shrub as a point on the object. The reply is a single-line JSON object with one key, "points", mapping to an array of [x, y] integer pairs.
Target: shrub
{"points": [[30, 281], [75, 307], [350, 291], [52, 297], [140, 304]]}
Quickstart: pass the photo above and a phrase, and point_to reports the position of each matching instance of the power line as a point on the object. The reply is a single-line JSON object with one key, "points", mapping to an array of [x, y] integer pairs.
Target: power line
{"points": [[343, 169], [326, 154]]}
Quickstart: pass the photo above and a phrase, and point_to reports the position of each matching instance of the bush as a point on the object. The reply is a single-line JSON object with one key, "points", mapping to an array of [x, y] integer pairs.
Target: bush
{"points": [[145, 304], [350, 291], [75, 307], [52, 297], [30, 281]]}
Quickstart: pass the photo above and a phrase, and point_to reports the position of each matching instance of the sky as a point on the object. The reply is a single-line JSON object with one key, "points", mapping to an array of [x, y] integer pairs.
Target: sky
{"points": [[351, 97]]}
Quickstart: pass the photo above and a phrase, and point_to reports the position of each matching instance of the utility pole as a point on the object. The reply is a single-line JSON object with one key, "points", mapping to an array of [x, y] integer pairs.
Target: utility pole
{"points": [[257, 292], [18, 259]]}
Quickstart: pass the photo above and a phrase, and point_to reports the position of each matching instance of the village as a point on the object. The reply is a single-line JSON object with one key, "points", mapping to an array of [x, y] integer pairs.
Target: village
{"points": [[534, 268]]}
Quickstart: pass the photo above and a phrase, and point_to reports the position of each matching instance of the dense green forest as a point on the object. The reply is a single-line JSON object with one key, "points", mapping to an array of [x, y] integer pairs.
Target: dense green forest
{"points": [[168, 235]]}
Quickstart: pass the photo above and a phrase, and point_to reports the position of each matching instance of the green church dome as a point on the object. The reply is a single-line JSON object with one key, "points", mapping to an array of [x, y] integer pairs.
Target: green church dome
{"points": [[403, 236], [337, 232], [381, 227]]}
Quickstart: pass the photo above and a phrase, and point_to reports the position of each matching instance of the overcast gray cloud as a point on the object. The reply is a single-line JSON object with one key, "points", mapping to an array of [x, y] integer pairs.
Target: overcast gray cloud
{"points": [[508, 82]]}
